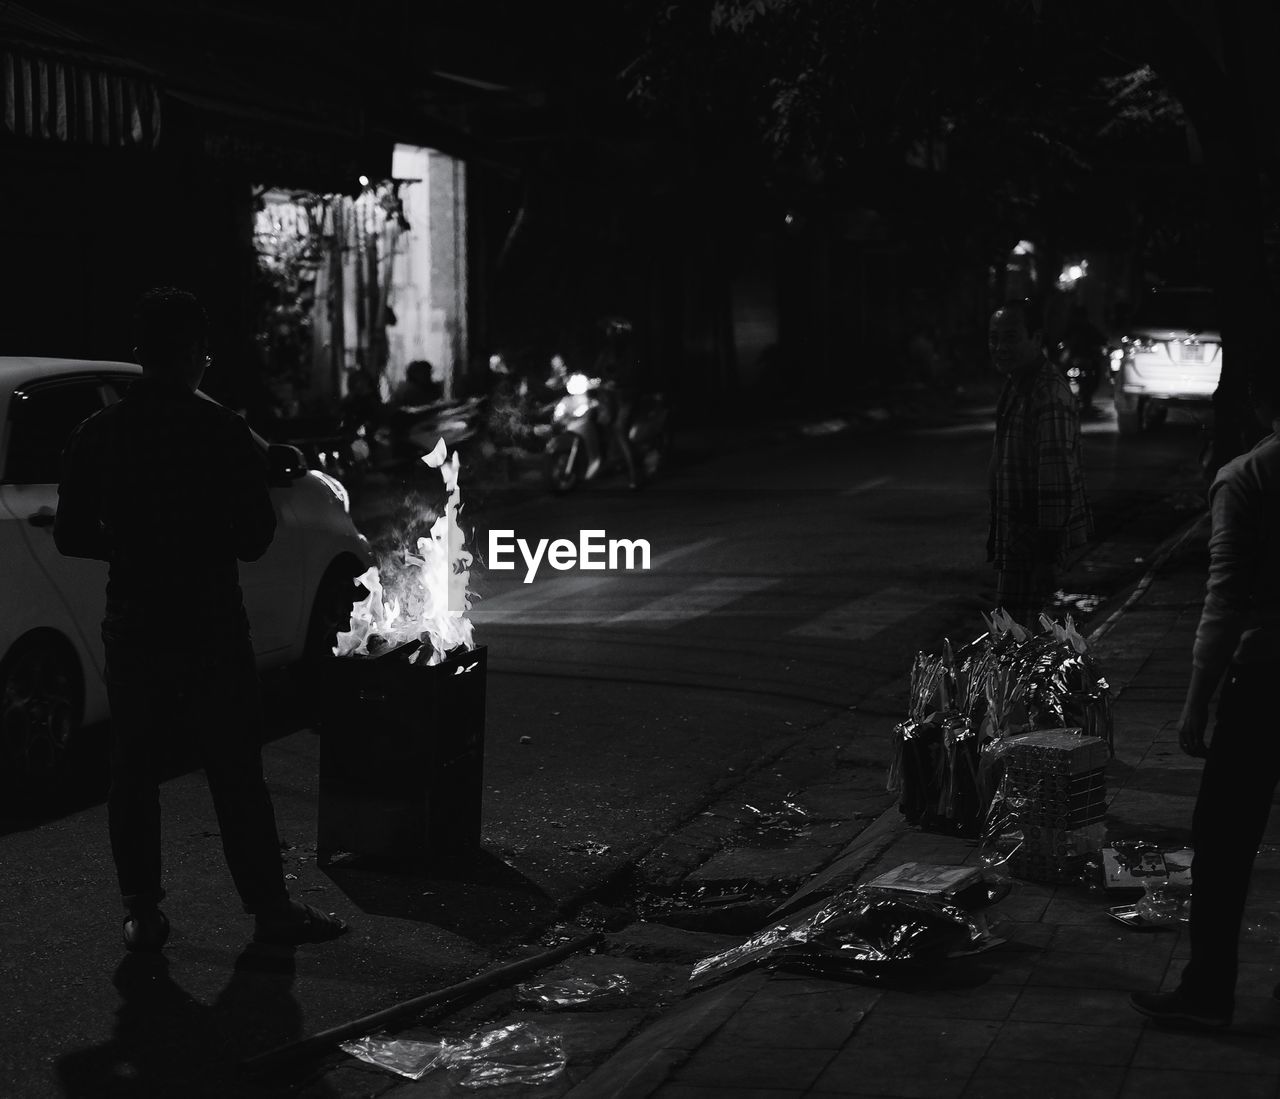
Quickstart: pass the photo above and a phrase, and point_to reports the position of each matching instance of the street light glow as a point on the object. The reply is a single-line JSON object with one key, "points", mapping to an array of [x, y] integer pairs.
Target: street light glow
{"points": [[1072, 273]]}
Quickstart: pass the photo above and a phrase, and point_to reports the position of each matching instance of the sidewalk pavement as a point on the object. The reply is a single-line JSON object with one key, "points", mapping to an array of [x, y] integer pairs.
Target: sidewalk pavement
{"points": [[1047, 1013]]}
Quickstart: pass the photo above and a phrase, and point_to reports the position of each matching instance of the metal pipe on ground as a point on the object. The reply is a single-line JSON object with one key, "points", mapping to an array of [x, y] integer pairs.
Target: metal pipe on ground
{"points": [[274, 1060]]}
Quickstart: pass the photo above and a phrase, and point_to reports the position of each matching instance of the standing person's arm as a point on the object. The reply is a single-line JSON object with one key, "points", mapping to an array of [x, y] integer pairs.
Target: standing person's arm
{"points": [[1233, 560], [78, 530], [253, 517]]}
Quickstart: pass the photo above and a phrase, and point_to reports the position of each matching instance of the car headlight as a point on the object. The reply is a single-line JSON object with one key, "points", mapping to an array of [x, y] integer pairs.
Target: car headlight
{"points": [[335, 486]]}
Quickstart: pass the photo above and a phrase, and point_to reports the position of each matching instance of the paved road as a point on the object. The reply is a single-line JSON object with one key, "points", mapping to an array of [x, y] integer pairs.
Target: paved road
{"points": [[787, 586]]}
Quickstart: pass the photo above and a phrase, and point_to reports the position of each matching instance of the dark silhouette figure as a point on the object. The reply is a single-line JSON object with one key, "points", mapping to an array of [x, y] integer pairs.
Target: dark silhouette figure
{"points": [[616, 366], [171, 489], [1237, 645], [1039, 510]]}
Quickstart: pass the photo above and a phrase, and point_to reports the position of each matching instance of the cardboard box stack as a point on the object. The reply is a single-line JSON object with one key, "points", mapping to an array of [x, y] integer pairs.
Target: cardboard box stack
{"points": [[1055, 778]]}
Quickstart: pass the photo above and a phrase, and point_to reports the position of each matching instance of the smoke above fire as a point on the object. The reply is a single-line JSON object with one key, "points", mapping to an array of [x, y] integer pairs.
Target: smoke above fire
{"points": [[422, 596]]}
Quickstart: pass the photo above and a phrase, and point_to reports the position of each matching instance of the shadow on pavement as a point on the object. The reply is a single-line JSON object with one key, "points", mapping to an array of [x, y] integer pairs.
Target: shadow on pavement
{"points": [[480, 898], [168, 1043]]}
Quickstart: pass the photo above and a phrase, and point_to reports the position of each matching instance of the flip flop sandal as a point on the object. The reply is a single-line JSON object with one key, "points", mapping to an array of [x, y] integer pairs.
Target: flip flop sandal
{"points": [[147, 931], [307, 925]]}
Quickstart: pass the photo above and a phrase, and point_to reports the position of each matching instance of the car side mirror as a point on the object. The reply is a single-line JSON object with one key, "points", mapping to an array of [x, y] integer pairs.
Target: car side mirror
{"points": [[285, 463]]}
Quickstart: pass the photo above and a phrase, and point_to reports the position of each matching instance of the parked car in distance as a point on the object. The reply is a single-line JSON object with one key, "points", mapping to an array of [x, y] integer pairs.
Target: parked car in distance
{"points": [[51, 657], [1169, 354]]}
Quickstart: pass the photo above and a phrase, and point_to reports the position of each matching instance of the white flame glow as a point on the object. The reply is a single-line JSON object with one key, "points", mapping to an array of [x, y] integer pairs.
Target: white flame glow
{"points": [[434, 606]]}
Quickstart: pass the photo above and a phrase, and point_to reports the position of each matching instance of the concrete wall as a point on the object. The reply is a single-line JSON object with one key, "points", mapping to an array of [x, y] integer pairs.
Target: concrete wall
{"points": [[429, 271]]}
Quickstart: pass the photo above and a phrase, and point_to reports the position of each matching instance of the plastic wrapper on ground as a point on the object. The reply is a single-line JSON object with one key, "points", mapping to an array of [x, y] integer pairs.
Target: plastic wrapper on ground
{"points": [[574, 991], [1165, 904], [860, 933], [1136, 864], [409, 1057], [969, 888], [520, 1053]]}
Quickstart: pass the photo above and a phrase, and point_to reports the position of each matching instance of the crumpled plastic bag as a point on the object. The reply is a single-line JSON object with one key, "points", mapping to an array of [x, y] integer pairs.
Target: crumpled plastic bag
{"points": [[573, 991], [1165, 904], [861, 933], [519, 1053], [409, 1057]]}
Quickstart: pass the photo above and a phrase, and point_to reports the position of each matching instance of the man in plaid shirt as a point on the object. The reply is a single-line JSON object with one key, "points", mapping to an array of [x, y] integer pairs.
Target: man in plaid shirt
{"points": [[1039, 511]]}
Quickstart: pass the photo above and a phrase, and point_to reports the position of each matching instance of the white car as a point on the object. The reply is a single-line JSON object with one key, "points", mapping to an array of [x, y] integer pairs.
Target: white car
{"points": [[1170, 355], [298, 594]]}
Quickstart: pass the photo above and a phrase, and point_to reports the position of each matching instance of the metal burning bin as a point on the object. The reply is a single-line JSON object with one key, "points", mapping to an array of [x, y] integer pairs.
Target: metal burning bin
{"points": [[401, 756]]}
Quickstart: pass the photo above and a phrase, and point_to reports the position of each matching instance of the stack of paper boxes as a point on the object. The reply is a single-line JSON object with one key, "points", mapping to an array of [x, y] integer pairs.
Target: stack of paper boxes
{"points": [[1054, 780]]}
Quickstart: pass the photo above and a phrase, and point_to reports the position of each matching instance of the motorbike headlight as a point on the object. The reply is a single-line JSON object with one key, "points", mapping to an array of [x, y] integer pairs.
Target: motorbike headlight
{"points": [[335, 486], [577, 384]]}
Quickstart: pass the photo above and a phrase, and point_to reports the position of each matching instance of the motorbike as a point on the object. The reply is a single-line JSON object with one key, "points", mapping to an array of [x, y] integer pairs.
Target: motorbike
{"points": [[581, 446], [337, 446], [1083, 367], [456, 422]]}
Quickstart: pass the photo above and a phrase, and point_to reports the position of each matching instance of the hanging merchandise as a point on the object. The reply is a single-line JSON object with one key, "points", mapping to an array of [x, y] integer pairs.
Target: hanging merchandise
{"points": [[962, 702], [324, 267]]}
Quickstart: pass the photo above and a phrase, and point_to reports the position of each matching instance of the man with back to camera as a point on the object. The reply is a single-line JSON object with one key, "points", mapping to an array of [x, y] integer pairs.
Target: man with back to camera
{"points": [[1039, 510], [1237, 644], [171, 490]]}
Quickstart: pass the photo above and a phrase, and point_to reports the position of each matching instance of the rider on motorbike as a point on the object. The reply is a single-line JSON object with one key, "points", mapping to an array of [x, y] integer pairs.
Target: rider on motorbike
{"points": [[616, 366]]}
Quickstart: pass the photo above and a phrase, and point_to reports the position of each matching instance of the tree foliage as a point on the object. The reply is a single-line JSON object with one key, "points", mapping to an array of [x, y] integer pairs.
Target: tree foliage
{"points": [[849, 91]]}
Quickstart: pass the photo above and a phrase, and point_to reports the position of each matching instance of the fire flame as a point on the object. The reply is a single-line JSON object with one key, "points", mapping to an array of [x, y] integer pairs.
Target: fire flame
{"points": [[433, 607]]}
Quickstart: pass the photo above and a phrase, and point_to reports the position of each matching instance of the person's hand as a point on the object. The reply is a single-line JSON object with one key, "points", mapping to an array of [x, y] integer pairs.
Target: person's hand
{"points": [[1191, 729]]}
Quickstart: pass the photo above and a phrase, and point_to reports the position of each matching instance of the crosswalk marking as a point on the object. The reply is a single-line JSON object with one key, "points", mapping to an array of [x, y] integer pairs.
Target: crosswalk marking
{"points": [[599, 600], [535, 603], [861, 619], [694, 602]]}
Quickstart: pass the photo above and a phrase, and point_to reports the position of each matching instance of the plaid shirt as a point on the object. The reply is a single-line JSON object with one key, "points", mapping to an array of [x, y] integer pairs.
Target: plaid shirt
{"points": [[1039, 511]]}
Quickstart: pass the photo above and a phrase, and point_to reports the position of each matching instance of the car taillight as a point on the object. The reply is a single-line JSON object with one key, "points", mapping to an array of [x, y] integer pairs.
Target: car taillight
{"points": [[1137, 345]]}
